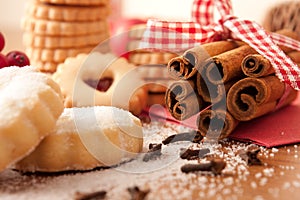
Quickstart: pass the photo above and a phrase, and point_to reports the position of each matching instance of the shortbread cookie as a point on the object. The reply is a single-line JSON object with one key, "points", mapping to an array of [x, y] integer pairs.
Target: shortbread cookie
{"points": [[76, 2], [79, 77], [46, 67], [55, 55], [60, 28], [283, 16], [85, 138], [50, 42], [144, 58], [156, 98], [67, 13], [153, 71], [137, 31], [30, 102]]}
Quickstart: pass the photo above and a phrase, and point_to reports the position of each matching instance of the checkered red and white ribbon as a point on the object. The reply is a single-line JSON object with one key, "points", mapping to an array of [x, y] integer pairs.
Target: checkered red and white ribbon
{"points": [[180, 36]]}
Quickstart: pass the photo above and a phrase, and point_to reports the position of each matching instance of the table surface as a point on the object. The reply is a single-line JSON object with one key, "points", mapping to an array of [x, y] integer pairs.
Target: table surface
{"points": [[161, 178]]}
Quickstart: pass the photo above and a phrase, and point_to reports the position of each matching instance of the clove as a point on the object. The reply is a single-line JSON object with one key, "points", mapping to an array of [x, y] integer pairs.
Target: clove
{"points": [[193, 136], [153, 153], [250, 156], [136, 193], [191, 154], [215, 166], [90, 196]]}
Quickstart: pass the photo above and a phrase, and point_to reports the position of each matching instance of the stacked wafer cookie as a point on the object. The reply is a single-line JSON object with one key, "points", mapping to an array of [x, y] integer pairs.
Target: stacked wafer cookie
{"points": [[151, 64], [57, 29]]}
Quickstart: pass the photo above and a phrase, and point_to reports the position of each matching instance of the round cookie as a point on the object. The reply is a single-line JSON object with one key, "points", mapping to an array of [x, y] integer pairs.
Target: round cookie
{"points": [[55, 55], [30, 102], [52, 42], [76, 2], [78, 77], [85, 138], [67, 13], [147, 58], [61, 28]]}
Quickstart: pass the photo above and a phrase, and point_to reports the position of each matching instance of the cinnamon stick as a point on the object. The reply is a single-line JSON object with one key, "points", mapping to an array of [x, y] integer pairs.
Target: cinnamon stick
{"points": [[184, 108], [190, 62], [250, 97], [216, 123], [177, 67], [295, 56], [288, 33], [256, 65], [227, 66], [210, 92], [182, 101], [182, 88]]}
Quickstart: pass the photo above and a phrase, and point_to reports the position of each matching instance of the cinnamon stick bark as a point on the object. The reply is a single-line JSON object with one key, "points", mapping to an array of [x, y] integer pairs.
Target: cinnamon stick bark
{"points": [[250, 97], [182, 101], [227, 66], [190, 62], [210, 92], [295, 56], [216, 124], [256, 65], [288, 33]]}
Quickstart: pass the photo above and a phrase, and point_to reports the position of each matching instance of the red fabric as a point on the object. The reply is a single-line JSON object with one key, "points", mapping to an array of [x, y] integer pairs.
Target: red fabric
{"points": [[179, 36], [279, 128]]}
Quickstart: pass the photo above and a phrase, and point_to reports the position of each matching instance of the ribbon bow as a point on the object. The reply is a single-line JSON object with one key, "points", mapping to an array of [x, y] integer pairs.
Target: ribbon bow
{"points": [[179, 36]]}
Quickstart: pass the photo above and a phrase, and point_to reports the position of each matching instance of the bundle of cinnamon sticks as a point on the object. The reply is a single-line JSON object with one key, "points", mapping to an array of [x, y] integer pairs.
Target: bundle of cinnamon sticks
{"points": [[224, 83]]}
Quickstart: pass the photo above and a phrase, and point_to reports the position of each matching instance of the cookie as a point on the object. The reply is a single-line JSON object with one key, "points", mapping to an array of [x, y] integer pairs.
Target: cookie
{"points": [[90, 132], [156, 98], [60, 28], [44, 11], [119, 85], [144, 58], [76, 2], [136, 32], [45, 67], [49, 42], [55, 55], [30, 102]]}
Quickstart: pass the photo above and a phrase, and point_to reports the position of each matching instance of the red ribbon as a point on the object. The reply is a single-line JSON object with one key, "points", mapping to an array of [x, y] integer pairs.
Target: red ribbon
{"points": [[179, 36]]}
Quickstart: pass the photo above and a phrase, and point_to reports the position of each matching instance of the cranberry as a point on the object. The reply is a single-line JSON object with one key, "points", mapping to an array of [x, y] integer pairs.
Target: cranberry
{"points": [[2, 41], [17, 58], [3, 61]]}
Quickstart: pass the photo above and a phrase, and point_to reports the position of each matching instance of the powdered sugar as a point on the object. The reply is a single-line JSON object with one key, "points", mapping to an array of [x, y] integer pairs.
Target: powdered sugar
{"points": [[161, 176]]}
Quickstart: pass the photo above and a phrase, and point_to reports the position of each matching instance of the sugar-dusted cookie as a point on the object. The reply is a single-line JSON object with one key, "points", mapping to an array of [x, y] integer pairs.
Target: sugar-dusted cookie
{"points": [[85, 138], [101, 79], [30, 102]]}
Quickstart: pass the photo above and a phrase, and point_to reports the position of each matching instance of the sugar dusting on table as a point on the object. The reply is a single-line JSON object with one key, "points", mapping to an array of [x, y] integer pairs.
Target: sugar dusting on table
{"points": [[162, 177]]}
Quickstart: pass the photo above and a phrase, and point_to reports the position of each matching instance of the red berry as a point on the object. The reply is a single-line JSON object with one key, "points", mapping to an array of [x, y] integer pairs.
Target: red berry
{"points": [[102, 85], [2, 42], [3, 61], [17, 58]]}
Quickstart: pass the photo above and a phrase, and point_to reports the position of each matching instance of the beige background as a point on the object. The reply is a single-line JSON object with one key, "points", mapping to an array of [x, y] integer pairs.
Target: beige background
{"points": [[11, 12]]}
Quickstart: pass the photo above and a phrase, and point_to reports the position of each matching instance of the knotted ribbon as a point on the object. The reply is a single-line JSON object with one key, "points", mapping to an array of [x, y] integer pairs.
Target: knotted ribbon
{"points": [[179, 36]]}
